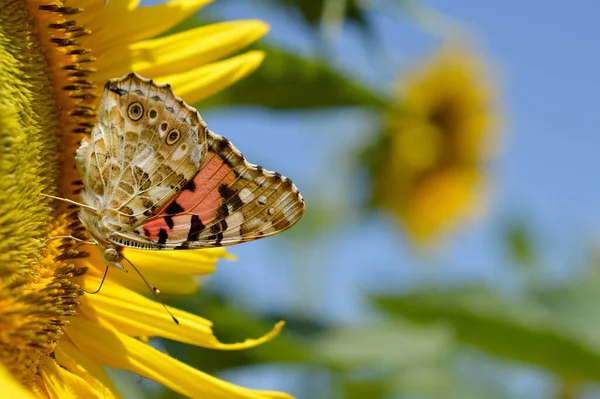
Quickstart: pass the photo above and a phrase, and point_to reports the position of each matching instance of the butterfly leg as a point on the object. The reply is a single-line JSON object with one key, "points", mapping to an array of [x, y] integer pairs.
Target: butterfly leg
{"points": [[68, 201], [118, 266], [70, 237]]}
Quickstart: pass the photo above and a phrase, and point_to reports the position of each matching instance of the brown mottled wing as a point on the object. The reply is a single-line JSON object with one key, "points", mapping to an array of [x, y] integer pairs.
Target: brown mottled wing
{"points": [[229, 201], [146, 146]]}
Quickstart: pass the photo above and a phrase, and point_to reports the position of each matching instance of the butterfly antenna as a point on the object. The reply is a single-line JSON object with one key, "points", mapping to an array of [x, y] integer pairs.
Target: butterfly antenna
{"points": [[101, 283], [154, 290], [85, 242]]}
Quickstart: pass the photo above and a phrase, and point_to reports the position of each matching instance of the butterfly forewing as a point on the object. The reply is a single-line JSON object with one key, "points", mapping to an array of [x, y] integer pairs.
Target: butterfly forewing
{"points": [[159, 179], [146, 146]]}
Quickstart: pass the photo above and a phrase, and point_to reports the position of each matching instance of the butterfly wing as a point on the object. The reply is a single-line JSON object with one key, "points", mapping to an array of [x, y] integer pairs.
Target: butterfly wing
{"points": [[229, 201], [146, 146]]}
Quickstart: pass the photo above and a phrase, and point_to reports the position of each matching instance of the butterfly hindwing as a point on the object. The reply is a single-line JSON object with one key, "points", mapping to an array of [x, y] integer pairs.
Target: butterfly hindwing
{"points": [[146, 145], [229, 201]]}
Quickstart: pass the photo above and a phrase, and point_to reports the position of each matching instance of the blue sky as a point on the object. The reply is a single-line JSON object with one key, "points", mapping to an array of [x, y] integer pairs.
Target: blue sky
{"points": [[546, 67], [545, 57]]}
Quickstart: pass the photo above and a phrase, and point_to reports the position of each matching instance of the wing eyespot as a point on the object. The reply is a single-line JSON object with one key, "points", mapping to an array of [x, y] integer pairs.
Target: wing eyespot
{"points": [[164, 126], [135, 111], [173, 137], [152, 114]]}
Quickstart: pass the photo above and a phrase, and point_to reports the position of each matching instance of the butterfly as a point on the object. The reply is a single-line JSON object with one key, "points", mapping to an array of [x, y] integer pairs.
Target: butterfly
{"points": [[156, 178]]}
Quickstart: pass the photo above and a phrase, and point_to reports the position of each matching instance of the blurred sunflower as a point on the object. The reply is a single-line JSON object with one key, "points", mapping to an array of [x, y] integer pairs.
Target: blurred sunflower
{"points": [[54, 60], [428, 167]]}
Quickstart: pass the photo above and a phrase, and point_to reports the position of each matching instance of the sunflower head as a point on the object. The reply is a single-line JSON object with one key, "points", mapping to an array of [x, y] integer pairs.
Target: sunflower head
{"points": [[35, 307], [429, 169], [54, 60], [36, 288]]}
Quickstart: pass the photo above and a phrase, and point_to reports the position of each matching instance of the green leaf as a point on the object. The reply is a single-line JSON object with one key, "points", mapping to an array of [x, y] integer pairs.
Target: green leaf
{"points": [[520, 330], [288, 81], [315, 15], [126, 383], [233, 324], [518, 239], [397, 356], [353, 389], [393, 344]]}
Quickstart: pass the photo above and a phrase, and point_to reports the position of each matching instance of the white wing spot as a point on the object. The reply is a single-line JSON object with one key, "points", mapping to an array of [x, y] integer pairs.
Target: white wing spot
{"points": [[268, 228], [246, 195], [181, 152], [144, 159], [271, 211], [262, 200], [234, 221]]}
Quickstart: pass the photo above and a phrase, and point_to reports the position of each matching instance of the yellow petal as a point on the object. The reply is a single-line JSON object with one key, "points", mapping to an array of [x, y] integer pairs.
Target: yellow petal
{"points": [[179, 52], [59, 383], [165, 282], [111, 348], [134, 314], [94, 14], [76, 362], [11, 388], [461, 189], [125, 21], [200, 83], [170, 271], [186, 263], [94, 6]]}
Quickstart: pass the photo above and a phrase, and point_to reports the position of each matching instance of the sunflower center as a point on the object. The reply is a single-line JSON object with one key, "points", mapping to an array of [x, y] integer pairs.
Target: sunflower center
{"points": [[36, 292], [69, 67], [445, 117]]}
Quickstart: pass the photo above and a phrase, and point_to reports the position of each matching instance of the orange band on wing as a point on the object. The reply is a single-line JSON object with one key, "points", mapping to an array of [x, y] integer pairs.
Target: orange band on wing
{"points": [[200, 197]]}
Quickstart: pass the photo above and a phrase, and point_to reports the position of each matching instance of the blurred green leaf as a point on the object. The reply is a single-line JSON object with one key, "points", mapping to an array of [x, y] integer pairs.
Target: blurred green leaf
{"points": [[328, 16], [399, 356], [520, 330], [288, 81], [392, 344], [575, 299], [428, 18], [353, 389], [315, 12], [518, 239], [233, 324], [128, 384]]}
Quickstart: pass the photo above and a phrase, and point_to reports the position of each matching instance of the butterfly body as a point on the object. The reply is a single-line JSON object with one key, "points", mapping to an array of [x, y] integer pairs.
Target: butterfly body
{"points": [[155, 177]]}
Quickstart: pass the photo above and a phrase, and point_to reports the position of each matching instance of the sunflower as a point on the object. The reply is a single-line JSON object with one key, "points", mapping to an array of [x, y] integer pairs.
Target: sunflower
{"points": [[430, 162], [54, 60]]}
